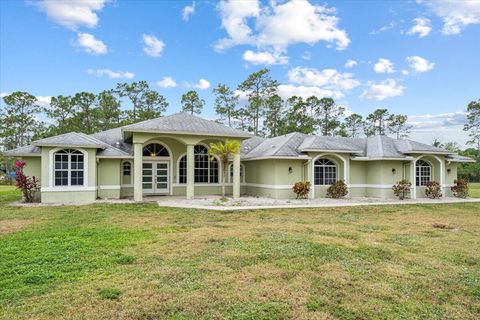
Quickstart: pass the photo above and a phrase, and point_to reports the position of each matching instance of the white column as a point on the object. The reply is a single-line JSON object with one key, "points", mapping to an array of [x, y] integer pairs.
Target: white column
{"points": [[414, 179], [190, 171], [312, 178], [236, 175], [442, 176], [137, 171]]}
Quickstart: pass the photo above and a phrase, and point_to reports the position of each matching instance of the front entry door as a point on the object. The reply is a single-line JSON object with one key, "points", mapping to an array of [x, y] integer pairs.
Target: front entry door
{"points": [[155, 178]]}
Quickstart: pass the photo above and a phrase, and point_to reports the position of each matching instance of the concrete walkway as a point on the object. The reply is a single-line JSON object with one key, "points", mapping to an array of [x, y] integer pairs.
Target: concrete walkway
{"points": [[252, 203]]}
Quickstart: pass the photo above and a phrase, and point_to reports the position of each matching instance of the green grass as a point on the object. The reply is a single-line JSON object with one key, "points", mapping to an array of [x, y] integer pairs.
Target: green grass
{"points": [[474, 190], [141, 261]]}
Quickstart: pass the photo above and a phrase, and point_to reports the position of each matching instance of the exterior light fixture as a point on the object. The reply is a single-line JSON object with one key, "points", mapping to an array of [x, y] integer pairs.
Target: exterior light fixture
{"points": [[449, 170], [394, 171], [290, 170]]}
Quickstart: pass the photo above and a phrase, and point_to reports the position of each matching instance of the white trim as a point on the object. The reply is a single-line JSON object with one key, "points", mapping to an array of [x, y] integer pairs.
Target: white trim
{"points": [[109, 187], [127, 185], [372, 186], [199, 184], [67, 189], [270, 186], [381, 159], [114, 157], [330, 151], [193, 133], [277, 157], [169, 159], [51, 162], [230, 165], [220, 173], [432, 174]]}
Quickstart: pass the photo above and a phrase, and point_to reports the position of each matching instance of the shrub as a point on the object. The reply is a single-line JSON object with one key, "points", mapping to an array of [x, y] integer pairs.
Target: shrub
{"points": [[402, 189], [27, 185], [433, 190], [301, 189], [460, 189], [337, 190]]}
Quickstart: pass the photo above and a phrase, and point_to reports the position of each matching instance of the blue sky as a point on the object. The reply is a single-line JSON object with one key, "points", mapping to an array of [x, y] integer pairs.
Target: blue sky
{"points": [[418, 58]]}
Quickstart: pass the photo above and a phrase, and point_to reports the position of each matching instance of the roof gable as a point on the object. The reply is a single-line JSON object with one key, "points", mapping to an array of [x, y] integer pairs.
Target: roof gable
{"points": [[183, 123], [71, 139]]}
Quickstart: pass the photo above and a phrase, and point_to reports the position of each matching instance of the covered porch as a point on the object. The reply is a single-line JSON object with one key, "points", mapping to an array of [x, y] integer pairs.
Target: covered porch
{"points": [[179, 165]]}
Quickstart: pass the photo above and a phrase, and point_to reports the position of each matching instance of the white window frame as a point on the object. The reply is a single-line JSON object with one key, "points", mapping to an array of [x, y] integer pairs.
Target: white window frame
{"points": [[230, 173], [129, 169], [219, 171], [315, 166], [51, 165], [419, 174]]}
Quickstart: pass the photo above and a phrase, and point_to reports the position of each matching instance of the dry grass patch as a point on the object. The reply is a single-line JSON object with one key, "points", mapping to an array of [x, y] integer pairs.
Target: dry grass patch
{"points": [[155, 263]]}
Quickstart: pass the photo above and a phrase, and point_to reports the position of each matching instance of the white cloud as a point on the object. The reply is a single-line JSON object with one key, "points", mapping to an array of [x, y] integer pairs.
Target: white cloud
{"points": [[389, 26], [278, 25], [167, 82], [350, 63], [265, 57], [111, 74], [382, 90], [438, 121], [456, 15], [383, 66], [326, 78], [152, 46], [188, 11], [73, 13], [307, 55], [43, 101], [421, 27], [90, 44], [288, 90], [405, 72], [327, 82], [419, 64], [202, 84]]}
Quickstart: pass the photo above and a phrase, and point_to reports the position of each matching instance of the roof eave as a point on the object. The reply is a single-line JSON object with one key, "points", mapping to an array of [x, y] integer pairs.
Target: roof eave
{"points": [[6, 154], [278, 157], [382, 158], [334, 150], [63, 145], [242, 137]]}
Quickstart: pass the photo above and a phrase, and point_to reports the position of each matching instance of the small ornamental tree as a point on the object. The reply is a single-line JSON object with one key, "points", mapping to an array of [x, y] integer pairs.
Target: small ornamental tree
{"points": [[402, 189], [460, 189], [301, 189], [27, 185], [433, 190], [224, 151], [337, 190]]}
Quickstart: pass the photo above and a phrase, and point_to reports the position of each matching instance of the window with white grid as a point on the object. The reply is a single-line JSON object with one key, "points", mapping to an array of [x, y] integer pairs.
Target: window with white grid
{"points": [[325, 172], [68, 168], [206, 168], [424, 173]]}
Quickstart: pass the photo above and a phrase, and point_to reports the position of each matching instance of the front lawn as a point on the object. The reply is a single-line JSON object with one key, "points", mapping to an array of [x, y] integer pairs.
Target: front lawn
{"points": [[474, 190], [145, 262]]}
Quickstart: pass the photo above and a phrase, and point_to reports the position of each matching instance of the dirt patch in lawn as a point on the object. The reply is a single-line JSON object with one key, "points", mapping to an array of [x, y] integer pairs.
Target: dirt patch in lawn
{"points": [[13, 225]]}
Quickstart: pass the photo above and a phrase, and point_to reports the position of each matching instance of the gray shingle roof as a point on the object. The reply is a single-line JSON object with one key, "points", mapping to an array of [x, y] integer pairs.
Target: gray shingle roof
{"points": [[459, 158], [117, 147], [71, 139], [185, 123], [322, 143], [281, 146], [23, 152]]}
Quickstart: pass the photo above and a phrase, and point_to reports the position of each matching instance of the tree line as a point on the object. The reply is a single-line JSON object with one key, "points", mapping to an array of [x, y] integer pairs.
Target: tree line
{"points": [[263, 112]]}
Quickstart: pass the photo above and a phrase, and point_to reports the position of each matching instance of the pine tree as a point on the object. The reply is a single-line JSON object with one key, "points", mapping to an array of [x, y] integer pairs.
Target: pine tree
{"points": [[191, 102], [225, 102]]}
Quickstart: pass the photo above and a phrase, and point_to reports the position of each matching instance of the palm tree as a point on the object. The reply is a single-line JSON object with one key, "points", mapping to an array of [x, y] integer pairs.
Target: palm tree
{"points": [[224, 150]]}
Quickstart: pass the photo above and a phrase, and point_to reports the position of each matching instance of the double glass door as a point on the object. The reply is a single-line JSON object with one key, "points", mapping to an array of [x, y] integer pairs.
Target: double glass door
{"points": [[155, 179]]}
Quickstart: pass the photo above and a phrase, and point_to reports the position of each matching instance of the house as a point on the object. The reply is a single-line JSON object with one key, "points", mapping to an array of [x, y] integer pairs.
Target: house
{"points": [[169, 156]]}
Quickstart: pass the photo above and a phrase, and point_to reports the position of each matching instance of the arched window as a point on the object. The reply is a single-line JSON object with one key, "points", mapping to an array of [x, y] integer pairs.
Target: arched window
{"points": [[424, 173], [325, 172], [69, 168], [155, 150], [206, 169], [230, 173]]}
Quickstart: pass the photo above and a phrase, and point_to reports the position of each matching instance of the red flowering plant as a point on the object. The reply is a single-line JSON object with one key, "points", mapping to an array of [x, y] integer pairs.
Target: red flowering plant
{"points": [[27, 185]]}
